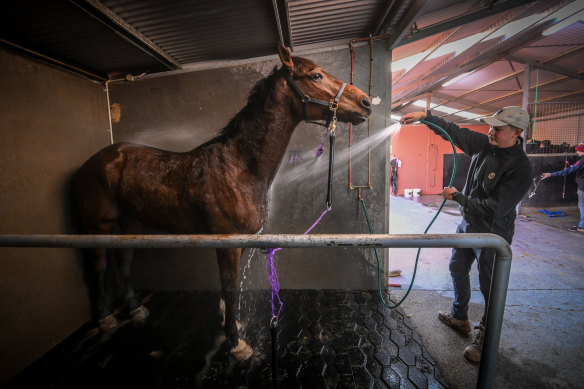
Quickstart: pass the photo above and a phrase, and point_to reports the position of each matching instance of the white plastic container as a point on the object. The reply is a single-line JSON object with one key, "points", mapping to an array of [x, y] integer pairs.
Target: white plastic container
{"points": [[408, 192], [417, 192]]}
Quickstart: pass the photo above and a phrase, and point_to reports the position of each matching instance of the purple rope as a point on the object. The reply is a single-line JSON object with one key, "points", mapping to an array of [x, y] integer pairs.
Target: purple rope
{"points": [[273, 275], [320, 149]]}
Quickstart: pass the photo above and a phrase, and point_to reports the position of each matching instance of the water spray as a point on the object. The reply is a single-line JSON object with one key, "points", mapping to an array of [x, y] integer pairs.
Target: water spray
{"points": [[427, 228], [275, 288]]}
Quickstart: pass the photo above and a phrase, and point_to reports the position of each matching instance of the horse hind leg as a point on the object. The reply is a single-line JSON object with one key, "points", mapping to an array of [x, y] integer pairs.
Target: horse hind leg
{"points": [[99, 291], [228, 261], [129, 225]]}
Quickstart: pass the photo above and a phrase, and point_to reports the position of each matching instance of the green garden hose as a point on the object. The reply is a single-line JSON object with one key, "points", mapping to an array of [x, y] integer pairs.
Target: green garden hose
{"points": [[427, 228]]}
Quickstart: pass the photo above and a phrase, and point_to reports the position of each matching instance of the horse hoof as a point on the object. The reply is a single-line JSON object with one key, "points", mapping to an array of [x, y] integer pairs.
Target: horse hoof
{"points": [[140, 313], [242, 351], [108, 323]]}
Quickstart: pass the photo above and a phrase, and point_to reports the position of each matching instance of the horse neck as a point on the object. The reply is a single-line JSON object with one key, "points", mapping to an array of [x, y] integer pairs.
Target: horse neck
{"points": [[263, 139]]}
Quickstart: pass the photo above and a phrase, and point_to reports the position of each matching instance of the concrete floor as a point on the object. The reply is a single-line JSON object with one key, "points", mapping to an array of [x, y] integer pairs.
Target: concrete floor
{"points": [[542, 338]]}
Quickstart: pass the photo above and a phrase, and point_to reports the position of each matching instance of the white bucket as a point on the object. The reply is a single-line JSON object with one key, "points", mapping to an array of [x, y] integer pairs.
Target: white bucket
{"points": [[417, 192], [408, 192]]}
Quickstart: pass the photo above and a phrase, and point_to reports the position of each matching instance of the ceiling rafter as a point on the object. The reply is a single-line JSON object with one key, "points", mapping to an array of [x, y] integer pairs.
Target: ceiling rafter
{"points": [[544, 65], [110, 19], [493, 28], [469, 103], [435, 45], [467, 18], [509, 45], [561, 96], [406, 22], [510, 94]]}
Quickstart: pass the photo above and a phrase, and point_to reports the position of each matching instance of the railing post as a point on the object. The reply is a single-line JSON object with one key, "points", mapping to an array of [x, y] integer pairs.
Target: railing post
{"points": [[495, 312]]}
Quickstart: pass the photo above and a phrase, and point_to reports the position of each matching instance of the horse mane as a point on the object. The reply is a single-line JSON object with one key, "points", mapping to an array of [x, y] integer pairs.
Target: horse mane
{"points": [[262, 92]]}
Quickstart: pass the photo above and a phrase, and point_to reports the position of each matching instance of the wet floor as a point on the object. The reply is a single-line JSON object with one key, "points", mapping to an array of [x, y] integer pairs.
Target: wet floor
{"points": [[326, 339]]}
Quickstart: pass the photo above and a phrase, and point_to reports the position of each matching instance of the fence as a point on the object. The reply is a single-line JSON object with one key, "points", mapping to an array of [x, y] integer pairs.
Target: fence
{"points": [[501, 270], [555, 127]]}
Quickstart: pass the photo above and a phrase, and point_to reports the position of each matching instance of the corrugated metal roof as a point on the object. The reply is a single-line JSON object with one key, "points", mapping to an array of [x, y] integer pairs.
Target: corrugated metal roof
{"points": [[316, 21], [65, 32], [133, 36], [191, 31]]}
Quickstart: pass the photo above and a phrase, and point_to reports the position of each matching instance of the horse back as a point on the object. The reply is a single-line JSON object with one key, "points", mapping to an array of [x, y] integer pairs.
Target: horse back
{"points": [[206, 190]]}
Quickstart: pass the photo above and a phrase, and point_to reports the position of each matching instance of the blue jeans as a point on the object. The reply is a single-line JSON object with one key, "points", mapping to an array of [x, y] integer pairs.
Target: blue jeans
{"points": [[581, 206], [460, 266]]}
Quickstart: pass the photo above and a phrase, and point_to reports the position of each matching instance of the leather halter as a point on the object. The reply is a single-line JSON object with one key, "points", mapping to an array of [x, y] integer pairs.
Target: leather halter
{"points": [[331, 105]]}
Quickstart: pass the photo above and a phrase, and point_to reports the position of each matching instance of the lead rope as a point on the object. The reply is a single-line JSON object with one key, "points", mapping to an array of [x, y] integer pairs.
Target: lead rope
{"points": [[275, 286], [329, 193], [331, 125]]}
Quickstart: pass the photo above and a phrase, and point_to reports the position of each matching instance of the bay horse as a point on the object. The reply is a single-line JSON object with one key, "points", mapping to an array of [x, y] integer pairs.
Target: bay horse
{"points": [[220, 187]]}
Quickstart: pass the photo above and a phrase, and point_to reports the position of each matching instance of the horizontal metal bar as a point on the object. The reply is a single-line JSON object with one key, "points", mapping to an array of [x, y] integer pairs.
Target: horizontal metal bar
{"points": [[258, 241], [499, 285]]}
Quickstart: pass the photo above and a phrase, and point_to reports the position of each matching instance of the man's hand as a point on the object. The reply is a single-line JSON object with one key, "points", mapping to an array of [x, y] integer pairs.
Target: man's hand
{"points": [[448, 192], [545, 175], [410, 118]]}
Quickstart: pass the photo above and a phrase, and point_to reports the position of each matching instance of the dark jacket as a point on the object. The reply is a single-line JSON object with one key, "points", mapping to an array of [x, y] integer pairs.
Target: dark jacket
{"points": [[497, 180], [578, 168]]}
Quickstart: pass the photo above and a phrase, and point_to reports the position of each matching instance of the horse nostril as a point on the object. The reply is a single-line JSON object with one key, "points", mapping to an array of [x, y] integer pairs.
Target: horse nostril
{"points": [[366, 102]]}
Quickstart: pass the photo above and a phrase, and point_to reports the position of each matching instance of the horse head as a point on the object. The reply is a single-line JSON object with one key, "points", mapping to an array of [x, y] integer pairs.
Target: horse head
{"points": [[316, 91]]}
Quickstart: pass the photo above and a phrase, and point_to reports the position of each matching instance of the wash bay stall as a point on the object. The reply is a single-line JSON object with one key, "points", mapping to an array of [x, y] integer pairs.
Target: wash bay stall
{"points": [[58, 119], [78, 75]]}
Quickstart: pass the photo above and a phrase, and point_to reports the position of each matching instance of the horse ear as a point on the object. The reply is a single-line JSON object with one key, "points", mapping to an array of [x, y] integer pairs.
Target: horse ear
{"points": [[285, 56]]}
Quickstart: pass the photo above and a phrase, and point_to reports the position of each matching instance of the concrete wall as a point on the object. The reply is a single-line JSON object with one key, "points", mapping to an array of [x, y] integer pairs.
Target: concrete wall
{"points": [[51, 121], [180, 111]]}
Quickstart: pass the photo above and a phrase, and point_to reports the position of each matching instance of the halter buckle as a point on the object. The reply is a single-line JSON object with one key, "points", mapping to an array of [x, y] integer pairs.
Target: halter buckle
{"points": [[332, 126], [333, 105]]}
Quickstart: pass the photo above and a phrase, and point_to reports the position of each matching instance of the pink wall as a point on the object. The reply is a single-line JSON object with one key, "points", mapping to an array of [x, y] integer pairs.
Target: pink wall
{"points": [[421, 152]]}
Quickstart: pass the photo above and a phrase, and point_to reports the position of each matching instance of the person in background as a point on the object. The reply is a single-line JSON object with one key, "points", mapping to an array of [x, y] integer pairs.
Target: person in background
{"points": [[578, 168], [498, 177]]}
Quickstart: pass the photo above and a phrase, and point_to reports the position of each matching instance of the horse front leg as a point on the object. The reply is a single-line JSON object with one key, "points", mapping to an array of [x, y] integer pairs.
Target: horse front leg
{"points": [[228, 261]]}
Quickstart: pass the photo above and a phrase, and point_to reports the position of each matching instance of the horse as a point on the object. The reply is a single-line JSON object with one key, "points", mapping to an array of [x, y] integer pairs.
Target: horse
{"points": [[219, 187]]}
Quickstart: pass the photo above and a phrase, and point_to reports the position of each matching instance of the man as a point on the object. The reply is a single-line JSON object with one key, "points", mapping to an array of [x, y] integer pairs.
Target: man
{"points": [[498, 177], [578, 168]]}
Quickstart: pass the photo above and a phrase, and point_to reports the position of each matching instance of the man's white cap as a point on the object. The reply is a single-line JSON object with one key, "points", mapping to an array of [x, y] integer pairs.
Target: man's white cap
{"points": [[514, 116]]}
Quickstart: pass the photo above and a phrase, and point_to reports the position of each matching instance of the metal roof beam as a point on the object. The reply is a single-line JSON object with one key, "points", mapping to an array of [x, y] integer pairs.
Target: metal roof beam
{"points": [[549, 67], [287, 24], [517, 92], [458, 21], [546, 65], [383, 20], [111, 20], [562, 96], [407, 21], [278, 21]]}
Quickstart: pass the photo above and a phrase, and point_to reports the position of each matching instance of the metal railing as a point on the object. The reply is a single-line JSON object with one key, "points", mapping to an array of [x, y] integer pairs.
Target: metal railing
{"points": [[499, 285]]}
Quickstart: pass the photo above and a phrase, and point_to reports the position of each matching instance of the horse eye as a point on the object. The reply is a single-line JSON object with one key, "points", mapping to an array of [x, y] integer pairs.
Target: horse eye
{"points": [[316, 77]]}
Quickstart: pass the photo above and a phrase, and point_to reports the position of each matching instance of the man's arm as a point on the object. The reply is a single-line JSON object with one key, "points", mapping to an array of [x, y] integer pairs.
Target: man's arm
{"points": [[468, 141], [579, 165]]}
